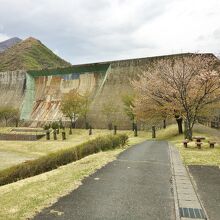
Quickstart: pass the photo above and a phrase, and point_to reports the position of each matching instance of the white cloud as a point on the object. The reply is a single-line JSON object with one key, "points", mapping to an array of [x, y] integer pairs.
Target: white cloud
{"points": [[3, 37], [91, 31]]}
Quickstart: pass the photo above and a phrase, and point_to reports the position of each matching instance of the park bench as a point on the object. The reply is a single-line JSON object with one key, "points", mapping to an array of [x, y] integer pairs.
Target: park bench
{"points": [[212, 144], [199, 144], [185, 142], [198, 140]]}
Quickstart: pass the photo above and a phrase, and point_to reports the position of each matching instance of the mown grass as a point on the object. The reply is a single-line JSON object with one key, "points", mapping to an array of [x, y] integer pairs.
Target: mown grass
{"points": [[22, 199], [61, 157], [192, 155], [13, 152]]}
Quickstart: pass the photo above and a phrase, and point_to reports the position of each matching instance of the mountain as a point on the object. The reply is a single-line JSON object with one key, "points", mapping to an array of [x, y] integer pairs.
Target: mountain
{"points": [[29, 54], [9, 43]]}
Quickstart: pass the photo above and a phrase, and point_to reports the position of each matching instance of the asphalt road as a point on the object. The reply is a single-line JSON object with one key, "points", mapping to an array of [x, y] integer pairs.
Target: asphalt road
{"points": [[207, 180], [135, 186]]}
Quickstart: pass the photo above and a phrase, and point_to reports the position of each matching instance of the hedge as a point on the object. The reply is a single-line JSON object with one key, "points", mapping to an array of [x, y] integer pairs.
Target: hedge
{"points": [[53, 160]]}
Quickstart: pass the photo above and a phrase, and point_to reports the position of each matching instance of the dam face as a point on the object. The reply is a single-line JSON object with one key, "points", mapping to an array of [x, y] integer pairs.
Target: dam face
{"points": [[106, 82], [12, 86], [38, 93]]}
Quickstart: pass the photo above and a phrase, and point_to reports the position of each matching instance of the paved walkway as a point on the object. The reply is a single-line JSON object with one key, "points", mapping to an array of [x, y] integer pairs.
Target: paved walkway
{"points": [[135, 186]]}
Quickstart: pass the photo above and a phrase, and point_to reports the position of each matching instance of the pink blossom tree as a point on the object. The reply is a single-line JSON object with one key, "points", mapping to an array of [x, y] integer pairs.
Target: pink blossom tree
{"points": [[184, 87]]}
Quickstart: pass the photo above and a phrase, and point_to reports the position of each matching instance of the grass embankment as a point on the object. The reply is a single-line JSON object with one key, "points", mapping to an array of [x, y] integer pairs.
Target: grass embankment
{"points": [[22, 199], [192, 155], [61, 157], [14, 152]]}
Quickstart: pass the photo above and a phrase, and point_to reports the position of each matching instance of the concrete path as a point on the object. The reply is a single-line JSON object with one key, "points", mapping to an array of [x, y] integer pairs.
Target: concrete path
{"points": [[135, 186], [207, 180]]}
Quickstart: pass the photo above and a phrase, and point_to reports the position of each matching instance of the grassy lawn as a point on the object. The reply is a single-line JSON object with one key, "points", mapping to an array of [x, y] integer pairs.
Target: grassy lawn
{"points": [[13, 152], [192, 155], [24, 198]]}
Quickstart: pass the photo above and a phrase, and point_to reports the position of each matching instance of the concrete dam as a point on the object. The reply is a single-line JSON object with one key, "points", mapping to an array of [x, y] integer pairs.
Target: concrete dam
{"points": [[38, 93]]}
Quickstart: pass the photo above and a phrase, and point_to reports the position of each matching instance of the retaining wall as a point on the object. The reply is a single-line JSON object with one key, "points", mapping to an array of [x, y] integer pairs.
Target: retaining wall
{"points": [[21, 137]]}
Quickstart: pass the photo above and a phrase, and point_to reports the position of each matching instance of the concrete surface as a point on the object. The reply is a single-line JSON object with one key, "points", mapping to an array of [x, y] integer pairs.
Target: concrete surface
{"points": [[135, 186], [207, 179]]}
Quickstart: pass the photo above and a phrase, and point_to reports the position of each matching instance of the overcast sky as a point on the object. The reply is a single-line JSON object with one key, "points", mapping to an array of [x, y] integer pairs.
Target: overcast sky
{"points": [[82, 31]]}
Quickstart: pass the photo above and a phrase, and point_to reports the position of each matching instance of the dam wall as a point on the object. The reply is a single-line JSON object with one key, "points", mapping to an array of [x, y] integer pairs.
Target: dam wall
{"points": [[38, 93], [45, 89], [106, 83], [12, 88]]}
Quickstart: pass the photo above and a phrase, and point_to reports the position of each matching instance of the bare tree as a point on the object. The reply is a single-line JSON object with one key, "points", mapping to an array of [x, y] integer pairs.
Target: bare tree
{"points": [[182, 86]]}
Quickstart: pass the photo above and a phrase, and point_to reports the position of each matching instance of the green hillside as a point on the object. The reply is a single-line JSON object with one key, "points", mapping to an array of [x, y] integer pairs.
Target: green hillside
{"points": [[29, 54]]}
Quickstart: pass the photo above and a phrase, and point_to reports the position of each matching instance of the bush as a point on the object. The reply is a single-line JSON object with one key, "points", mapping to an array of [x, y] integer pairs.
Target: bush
{"points": [[61, 157], [55, 125], [46, 127]]}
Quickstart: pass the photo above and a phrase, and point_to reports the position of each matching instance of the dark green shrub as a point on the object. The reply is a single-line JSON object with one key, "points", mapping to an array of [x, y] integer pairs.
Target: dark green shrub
{"points": [[55, 125], [46, 127], [61, 157]]}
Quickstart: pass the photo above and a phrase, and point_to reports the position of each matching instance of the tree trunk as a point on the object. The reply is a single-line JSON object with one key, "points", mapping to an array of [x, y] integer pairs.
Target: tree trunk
{"points": [[189, 134], [74, 122], [179, 121], [133, 126], [86, 122], [188, 130]]}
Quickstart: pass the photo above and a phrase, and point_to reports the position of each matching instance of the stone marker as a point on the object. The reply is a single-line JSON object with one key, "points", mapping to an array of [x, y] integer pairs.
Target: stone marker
{"points": [[135, 130], [48, 135], [63, 135], [153, 132], [115, 129], [90, 130], [70, 131], [54, 134]]}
